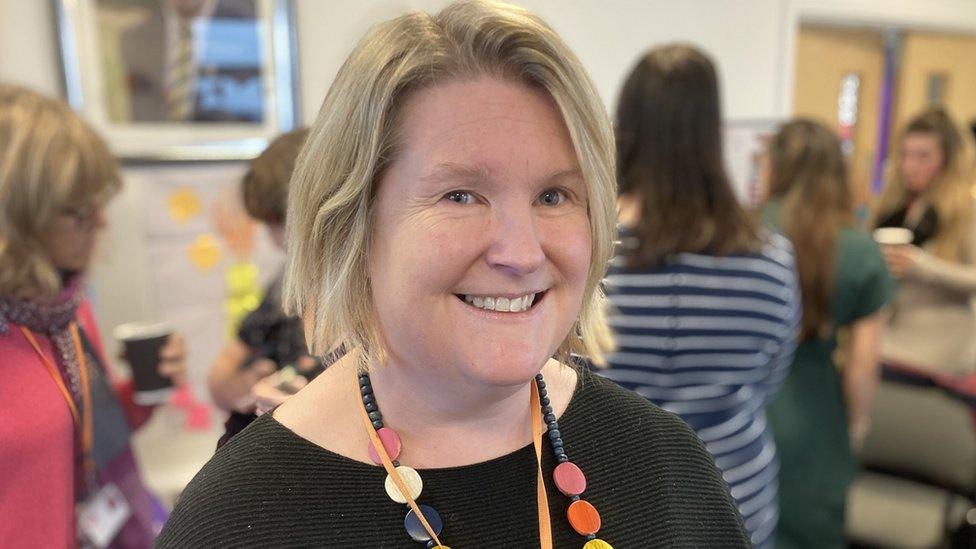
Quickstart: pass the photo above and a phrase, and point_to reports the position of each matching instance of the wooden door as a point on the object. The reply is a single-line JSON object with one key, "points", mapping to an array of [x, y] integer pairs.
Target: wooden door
{"points": [[824, 57]]}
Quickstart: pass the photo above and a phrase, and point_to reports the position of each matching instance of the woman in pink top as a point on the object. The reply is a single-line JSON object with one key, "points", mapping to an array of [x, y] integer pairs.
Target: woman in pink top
{"points": [[64, 432]]}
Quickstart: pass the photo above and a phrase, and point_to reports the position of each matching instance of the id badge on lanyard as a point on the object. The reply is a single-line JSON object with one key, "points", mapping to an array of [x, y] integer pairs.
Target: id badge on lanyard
{"points": [[105, 510]]}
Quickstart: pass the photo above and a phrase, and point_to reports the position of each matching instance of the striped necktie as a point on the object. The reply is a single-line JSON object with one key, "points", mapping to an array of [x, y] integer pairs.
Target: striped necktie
{"points": [[181, 76]]}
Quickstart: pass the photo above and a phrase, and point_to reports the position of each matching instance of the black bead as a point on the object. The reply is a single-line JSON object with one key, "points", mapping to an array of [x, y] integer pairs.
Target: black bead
{"points": [[544, 401], [541, 383], [562, 458], [365, 390], [590, 537], [574, 499], [557, 442], [371, 407], [546, 409], [375, 416], [396, 463], [538, 377], [431, 544], [553, 434], [377, 424], [550, 417], [368, 399]]}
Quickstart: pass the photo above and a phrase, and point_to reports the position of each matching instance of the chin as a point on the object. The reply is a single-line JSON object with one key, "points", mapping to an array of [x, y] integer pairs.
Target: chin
{"points": [[507, 368]]}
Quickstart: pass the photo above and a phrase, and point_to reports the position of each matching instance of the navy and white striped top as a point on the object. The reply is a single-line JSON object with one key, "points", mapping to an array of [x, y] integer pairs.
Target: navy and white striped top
{"points": [[711, 338]]}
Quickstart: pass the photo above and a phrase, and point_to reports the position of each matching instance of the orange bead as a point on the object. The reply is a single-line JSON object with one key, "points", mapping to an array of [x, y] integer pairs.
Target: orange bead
{"points": [[583, 517]]}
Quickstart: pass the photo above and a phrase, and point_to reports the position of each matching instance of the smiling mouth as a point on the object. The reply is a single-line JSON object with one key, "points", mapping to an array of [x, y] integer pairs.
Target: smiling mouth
{"points": [[503, 304]]}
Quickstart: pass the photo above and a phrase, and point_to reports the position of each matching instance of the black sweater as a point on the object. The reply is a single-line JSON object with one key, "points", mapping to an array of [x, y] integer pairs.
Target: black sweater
{"points": [[647, 474]]}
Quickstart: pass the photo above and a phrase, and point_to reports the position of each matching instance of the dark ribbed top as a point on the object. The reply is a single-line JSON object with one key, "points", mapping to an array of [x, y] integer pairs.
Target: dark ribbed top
{"points": [[648, 475]]}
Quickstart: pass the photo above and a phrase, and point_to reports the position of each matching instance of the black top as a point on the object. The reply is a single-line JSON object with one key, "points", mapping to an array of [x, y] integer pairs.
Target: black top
{"points": [[647, 474]]}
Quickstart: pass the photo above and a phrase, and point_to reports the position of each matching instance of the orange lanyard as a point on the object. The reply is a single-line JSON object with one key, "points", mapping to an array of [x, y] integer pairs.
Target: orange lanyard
{"points": [[83, 421]]}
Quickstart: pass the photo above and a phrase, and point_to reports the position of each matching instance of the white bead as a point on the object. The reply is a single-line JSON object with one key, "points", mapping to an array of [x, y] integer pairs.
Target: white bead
{"points": [[410, 478]]}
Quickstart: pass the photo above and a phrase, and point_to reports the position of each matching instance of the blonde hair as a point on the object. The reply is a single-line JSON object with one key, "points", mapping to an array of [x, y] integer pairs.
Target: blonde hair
{"points": [[353, 140], [951, 195], [50, 160]]}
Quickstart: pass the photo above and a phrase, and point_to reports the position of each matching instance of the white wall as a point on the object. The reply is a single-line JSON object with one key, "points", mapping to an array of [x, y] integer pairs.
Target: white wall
{"points": [[28, 45], [744, 36]]}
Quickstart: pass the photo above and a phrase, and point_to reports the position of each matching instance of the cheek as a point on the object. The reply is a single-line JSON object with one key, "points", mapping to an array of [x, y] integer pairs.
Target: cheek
{"points": [[931, 167], [570, 248], [422, 257]]}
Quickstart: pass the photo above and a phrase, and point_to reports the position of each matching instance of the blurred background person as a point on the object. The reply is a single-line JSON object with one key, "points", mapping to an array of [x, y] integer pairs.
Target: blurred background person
{"points": [[241, 379], [844, 283], [706, 300], [65, 430], [930, 192]]}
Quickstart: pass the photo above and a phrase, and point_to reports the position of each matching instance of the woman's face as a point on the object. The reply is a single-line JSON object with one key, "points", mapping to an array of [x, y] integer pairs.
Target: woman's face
{"points": [[921, 161], [70, 239], [483, 208]]}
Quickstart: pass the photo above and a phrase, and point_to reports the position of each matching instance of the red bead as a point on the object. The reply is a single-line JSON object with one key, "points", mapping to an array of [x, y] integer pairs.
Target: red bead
{"points": [[390, 440], [569, 479], [583, 517]]}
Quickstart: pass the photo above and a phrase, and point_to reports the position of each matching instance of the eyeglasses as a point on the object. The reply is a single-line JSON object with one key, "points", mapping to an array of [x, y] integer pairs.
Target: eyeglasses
{"points": [[84, 217]]}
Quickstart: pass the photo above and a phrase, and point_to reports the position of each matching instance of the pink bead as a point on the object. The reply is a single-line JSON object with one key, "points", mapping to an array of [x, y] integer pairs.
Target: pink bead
{"points": [[390, 440], [569, 479]]}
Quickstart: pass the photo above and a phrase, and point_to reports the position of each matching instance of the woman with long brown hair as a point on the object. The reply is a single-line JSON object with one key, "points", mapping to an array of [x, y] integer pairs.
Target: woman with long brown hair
{"points": [[819, 409], [706, 299], [930, 193]]}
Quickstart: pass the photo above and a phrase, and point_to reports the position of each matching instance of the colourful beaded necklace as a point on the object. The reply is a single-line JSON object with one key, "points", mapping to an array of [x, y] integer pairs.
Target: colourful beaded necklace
{"points": [[423, 524]]}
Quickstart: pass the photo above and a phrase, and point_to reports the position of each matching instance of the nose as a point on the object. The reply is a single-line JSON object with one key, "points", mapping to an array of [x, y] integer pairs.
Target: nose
{"points": [[516, 245], [99, 218]]}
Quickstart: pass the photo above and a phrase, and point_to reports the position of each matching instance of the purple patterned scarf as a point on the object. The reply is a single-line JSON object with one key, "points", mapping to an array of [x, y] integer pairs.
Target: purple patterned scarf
{"points": [[52, 319]]}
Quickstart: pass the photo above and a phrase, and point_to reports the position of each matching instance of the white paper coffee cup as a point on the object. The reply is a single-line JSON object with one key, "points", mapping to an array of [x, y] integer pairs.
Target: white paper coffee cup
{"points": [[893, 236]]}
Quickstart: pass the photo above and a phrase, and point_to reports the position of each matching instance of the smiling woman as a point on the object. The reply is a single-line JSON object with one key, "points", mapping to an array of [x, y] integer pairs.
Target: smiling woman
{"points": [[450, 219]]}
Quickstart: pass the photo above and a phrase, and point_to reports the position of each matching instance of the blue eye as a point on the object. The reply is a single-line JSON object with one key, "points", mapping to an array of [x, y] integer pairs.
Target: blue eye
{"points": [[552, 197], [460, 197]]}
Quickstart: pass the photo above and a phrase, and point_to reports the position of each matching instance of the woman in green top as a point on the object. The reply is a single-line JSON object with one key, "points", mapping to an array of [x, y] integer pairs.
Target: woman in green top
{"points": [[821, 411]]}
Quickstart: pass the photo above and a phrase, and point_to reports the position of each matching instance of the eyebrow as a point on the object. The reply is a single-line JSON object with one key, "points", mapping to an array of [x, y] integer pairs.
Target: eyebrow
{"points": [[480, 173], [454, 171]]}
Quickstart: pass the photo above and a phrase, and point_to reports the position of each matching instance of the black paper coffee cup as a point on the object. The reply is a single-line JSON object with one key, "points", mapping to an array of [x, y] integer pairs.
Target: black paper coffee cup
{"points": [[143, 341]]}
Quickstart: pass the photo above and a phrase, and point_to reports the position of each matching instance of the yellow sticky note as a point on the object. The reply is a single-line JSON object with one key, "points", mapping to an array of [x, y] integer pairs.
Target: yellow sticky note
{"points": [[205, 252], [184, 204]]}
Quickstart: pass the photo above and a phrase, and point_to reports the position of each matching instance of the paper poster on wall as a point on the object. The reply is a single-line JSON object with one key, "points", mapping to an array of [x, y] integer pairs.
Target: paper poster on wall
{"points": [[744, 144], [208, 260]]}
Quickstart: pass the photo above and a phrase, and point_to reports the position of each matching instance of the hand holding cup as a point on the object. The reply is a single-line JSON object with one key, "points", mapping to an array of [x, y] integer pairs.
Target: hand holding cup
{"points": [[900, 255]]}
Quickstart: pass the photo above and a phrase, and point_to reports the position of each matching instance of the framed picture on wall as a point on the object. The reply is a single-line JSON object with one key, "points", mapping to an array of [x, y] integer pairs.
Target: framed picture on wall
{"points": [[181, 79]]}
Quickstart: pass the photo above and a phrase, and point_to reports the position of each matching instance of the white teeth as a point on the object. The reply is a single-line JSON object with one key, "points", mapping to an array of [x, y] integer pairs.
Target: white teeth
{"points": [[502, 304]]}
